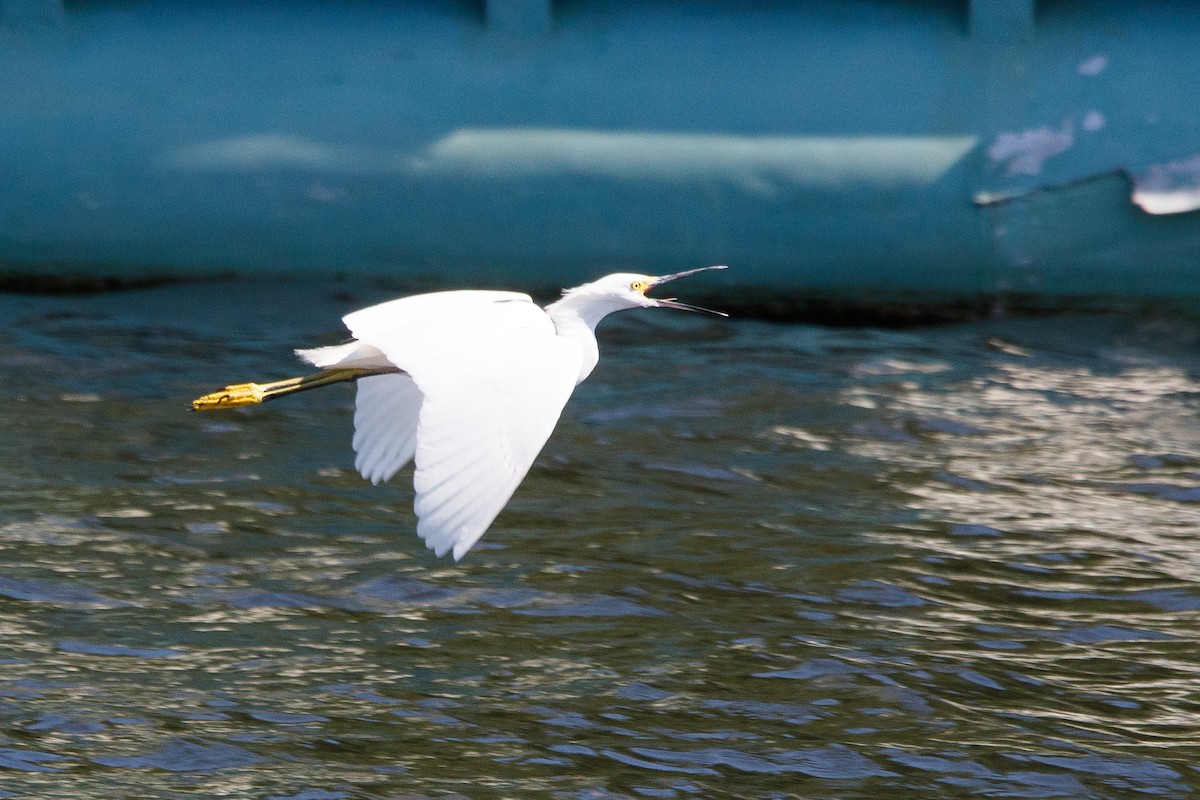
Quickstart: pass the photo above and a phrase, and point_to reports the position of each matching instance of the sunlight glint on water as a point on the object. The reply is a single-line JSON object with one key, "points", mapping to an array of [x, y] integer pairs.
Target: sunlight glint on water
{"points": [[754, 560]]}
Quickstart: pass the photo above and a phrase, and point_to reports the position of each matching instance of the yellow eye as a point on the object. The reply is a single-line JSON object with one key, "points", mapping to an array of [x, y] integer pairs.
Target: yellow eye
{"points": [[637, 286]]}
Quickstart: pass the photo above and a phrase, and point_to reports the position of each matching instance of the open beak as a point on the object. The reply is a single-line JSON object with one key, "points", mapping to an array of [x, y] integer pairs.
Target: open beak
{"points": [[671, 302]]}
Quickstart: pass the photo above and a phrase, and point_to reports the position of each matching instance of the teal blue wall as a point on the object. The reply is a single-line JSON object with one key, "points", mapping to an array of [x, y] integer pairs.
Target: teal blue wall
{"points": [[921, 146]]}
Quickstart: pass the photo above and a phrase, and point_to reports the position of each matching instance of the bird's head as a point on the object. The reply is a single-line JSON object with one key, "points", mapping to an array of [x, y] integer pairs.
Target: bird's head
{"points": [[630, 290]]}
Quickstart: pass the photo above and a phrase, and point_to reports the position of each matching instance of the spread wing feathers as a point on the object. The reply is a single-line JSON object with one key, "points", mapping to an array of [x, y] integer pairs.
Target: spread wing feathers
{"points": [[352, 354], [386, 411], [387, 407], [479, 435], [424, 314], [494, 377]]}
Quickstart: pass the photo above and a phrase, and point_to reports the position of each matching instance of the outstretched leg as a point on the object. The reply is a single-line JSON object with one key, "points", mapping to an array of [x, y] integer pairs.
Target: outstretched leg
{"points": [[248, 394]]}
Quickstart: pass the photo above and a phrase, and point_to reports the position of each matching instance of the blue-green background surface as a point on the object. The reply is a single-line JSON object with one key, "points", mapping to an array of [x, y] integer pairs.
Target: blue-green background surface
{"points": [[958, 149]]}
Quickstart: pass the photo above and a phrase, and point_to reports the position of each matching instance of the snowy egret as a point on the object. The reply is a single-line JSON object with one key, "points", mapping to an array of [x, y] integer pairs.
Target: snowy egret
{"points": [[469, 384]]}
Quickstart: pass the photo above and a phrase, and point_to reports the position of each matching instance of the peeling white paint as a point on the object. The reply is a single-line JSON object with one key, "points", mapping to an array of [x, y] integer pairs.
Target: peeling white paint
{"points": [[1093, 66], [1170, 188], [1024, 152], [1093, 121]]}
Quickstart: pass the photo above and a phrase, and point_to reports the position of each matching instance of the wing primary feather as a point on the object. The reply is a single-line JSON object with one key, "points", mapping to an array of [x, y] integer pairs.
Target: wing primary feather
{"points": [[387, 410], [489, 378], [457, 510]]}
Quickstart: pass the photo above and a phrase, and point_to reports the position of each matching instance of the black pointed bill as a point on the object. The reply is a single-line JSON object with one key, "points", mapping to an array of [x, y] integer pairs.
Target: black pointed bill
{"points": [[671, 302]]}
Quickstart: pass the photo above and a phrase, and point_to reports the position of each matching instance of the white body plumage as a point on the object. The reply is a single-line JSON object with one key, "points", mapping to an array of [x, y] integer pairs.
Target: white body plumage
{"points": [[485, 376]]}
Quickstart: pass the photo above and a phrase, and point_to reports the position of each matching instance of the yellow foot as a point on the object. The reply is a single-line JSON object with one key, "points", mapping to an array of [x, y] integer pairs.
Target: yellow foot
{"points": [[239, 394]]}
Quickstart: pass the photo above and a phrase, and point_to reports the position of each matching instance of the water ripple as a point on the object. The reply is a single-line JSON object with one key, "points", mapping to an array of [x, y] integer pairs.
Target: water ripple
{"points": [[185, 756], [754, 560]]}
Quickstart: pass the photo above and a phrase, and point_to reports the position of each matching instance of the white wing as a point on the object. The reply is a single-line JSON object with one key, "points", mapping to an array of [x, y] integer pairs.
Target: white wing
{"points": [[352, 354], [386, 412], [494, 376], [386, 409]]}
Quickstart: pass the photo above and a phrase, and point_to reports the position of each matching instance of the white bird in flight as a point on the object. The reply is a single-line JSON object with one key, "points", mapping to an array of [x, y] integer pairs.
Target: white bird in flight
{"points": [[469, 384]]}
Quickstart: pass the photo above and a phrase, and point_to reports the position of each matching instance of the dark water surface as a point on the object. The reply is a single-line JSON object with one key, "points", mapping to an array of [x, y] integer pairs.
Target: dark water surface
{"points": [[754, 561]]}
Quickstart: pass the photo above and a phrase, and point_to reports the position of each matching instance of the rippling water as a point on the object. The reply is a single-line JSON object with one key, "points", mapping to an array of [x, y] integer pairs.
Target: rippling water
{"points": [[754, 561]]}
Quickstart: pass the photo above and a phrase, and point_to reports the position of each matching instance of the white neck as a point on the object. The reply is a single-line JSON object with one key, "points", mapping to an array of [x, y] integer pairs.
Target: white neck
{"points": [[575, 317]]}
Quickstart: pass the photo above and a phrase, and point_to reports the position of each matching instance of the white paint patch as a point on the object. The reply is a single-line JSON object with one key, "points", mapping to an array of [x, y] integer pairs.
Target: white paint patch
{"points": [[1171, 188], [758, 164], [1024, 152], [267, 151], [1093, 66], [322, 193], [1093, 121]]}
